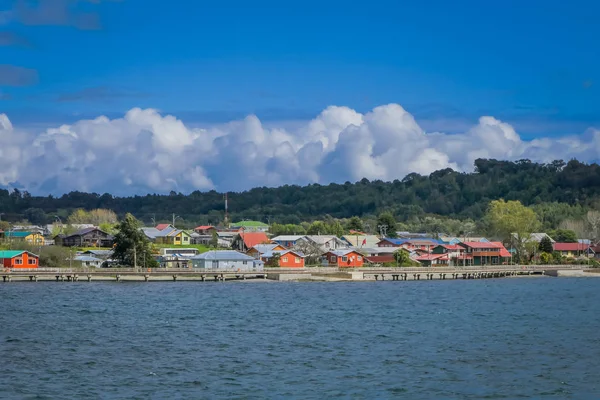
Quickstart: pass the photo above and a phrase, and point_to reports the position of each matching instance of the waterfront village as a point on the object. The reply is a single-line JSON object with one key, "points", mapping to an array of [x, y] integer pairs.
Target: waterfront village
{"points": [[248, 245]]}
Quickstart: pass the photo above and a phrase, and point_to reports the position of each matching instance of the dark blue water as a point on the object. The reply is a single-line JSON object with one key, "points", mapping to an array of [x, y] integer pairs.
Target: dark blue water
{"points": [[504, 338]]}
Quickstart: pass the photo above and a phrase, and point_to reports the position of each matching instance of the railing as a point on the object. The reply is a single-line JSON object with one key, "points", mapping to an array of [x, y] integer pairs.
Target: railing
{"points": [[473, 268], [111, 271]]}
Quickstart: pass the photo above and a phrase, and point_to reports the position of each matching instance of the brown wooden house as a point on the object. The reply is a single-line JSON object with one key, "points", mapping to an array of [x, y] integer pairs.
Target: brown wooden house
{"points": [[89, 237]]}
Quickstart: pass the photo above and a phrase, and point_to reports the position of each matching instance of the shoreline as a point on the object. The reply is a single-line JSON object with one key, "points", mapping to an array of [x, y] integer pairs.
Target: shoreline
{"points": [[303, 279]]}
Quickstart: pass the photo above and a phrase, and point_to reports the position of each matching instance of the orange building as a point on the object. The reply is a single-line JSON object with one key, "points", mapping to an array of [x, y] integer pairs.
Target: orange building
{"points": [[290, 259], [343, 258], [18, 259]]}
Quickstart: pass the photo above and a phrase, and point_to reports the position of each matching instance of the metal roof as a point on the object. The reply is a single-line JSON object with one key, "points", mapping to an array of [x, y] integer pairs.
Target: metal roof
{"points": [[87, 259], [223, 255], [287, 238], [13, 253], [18, 234], [270, 254]]}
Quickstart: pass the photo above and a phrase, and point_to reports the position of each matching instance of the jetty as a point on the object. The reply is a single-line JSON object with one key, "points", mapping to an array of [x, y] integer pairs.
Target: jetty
{"points": [[290, 274]]}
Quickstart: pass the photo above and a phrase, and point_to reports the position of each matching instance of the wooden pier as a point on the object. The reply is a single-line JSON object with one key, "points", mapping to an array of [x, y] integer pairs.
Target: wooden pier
{"points": [[280, 274]]}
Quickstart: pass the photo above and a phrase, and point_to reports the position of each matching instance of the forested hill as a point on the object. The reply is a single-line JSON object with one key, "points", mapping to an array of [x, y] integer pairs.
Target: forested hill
{"points": [[444, 192]]}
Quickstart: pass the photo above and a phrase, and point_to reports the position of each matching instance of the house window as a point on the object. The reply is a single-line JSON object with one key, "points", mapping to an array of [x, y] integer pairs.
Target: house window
{"points": [[344, 258], [494, 260], [333, 259], [359, 258], [185, 239], [297, 260], [32, 261], [284, 259], [245, 262], [18, 261], [178, 239]]}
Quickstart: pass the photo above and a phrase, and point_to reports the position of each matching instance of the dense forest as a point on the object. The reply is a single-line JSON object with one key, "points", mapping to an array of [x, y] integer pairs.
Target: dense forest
{"points": [[444, 193]]}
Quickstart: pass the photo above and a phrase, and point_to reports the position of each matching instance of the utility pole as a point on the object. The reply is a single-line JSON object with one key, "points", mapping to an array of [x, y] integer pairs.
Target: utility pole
{"points": [[134, 257], [153, 219], [226, 212]]}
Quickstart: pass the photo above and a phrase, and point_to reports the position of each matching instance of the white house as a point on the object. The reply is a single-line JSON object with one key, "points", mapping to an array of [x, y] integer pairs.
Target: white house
{"points": [[226, 259], [326, 242], [89, 261]]}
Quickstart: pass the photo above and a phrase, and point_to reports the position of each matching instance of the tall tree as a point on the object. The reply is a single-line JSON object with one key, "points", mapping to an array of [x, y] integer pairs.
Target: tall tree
{"points": [[131, 245], [214, 240], [402, 258], [545, 245], [511, 220], [386, 224]]}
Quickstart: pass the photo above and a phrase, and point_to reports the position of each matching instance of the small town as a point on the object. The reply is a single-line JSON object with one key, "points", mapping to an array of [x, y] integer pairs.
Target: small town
{"points": [[249, 246]]}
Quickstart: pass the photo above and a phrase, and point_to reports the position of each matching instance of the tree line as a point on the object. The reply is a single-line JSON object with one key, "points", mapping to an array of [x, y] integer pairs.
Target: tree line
{"points": [[556, 191]]}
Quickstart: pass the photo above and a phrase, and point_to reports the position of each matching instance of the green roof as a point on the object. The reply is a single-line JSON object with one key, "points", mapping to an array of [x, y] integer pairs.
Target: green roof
{"points": [[18, 234], [249, 223], [10, 253]]}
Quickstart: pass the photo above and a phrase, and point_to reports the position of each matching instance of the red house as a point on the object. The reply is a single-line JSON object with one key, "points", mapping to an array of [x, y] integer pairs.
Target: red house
{"points": [[162, 227], [205, 229], [290, 259], [244, 241], [343, 259], [18, 259]]}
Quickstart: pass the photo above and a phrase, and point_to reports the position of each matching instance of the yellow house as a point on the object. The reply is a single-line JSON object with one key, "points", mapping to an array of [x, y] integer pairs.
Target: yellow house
{"points": [[29, 237], [175, 237], [573, 249]]}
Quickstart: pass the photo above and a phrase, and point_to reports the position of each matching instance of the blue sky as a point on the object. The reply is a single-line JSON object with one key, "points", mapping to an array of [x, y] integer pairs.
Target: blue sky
{"points": [[132, 96], [531, 63]]}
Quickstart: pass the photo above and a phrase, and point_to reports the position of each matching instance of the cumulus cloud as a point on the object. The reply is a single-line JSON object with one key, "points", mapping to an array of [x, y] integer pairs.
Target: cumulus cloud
{"points": [[146, 151]]}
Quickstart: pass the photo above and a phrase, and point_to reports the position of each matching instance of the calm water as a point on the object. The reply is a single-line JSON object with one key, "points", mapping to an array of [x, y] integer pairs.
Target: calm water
{"points": [[504, 338]]}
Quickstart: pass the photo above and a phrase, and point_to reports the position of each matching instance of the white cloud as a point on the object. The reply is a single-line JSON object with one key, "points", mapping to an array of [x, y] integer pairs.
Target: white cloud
{"points": [[148, 152]]}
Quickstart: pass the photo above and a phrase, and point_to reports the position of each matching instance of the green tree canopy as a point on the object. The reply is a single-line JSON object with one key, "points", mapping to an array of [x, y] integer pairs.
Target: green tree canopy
{"points": [[131, 245], [354, 224], [402, 258], [318, 228], [512, 221], [563, 235], [546, 245], [214, 240], [387, 223]]}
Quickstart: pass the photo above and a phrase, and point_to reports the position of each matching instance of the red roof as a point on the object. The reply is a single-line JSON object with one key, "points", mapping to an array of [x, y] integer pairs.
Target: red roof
{"points": [[503, 252], [451, 246], [571, 246], [251, 239], [160, 227], [203, 227]]}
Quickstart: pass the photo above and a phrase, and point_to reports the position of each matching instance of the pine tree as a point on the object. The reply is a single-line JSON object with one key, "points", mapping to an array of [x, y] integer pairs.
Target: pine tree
{"points": [[546, 245], [131, 246]]}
